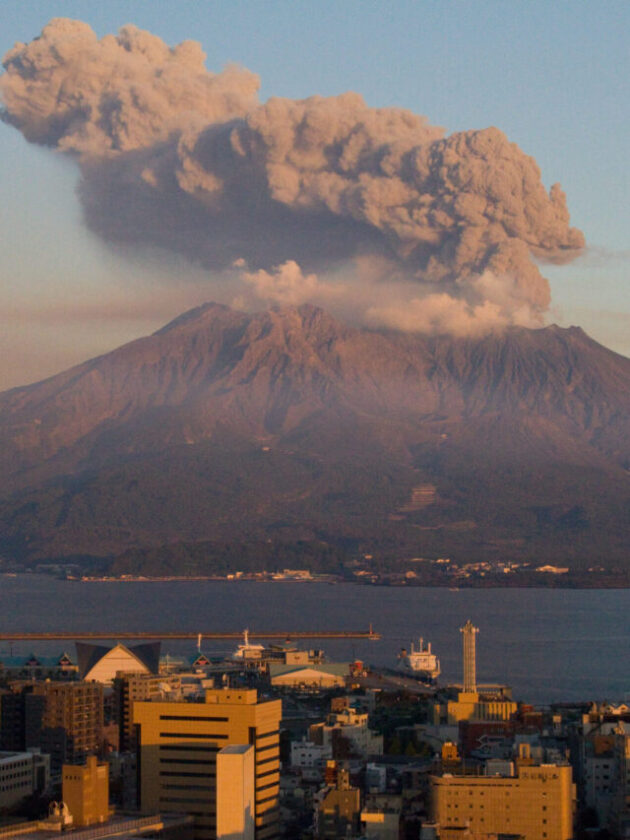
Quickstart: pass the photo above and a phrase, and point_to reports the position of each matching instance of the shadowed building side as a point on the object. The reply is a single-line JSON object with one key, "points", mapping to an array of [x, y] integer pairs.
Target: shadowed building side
{"points": [[72, 721]]}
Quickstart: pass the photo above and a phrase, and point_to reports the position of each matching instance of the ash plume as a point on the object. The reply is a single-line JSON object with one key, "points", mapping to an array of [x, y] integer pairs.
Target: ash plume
{"points": [[300, 193]]}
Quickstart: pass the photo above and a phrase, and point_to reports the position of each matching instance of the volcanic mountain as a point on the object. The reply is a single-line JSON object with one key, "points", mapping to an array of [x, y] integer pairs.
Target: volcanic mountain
{"points": [[286, 427]]}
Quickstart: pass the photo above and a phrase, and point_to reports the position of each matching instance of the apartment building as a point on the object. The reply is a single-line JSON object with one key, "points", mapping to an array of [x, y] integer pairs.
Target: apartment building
{"points": [[72, 722]]}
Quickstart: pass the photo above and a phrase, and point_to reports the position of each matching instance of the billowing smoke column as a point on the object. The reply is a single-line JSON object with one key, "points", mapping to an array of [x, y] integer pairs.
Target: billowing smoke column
{"points": [[175, 156]]}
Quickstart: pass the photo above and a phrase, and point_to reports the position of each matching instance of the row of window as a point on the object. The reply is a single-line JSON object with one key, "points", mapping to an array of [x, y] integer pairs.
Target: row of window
{"points": [[188, 786], [261, 735], [186, 717], [267, 787], [202, 761], [188, 748], [188, 800], [15, 786], [196, 735]]}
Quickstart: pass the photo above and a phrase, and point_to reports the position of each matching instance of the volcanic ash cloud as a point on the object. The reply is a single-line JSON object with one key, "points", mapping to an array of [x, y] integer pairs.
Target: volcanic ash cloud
{"points": [[175, 156]]}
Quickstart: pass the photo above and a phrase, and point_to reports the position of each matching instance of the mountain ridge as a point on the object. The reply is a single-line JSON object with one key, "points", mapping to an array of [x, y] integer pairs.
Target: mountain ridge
{"points": [[316, 429]]}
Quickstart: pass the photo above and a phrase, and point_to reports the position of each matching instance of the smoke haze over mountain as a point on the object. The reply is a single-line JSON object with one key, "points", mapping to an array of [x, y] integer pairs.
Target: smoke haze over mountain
{"points": [[372, 212]]}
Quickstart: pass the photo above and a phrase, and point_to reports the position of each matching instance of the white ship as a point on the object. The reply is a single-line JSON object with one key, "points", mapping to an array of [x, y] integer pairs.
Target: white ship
{"points": [[421, 662], [247, 650]]}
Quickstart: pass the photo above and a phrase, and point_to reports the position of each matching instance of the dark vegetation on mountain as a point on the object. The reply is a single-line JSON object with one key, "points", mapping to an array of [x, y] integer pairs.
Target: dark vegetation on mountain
{"points": [[285, 437]]}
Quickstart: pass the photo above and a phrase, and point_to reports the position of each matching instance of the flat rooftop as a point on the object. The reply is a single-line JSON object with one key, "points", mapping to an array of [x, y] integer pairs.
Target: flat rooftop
{"points": [[118, 826]]}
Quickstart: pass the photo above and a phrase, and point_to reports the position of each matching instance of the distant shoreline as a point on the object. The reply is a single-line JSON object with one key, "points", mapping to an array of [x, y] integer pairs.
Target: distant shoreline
{"points": [[546, 581]]}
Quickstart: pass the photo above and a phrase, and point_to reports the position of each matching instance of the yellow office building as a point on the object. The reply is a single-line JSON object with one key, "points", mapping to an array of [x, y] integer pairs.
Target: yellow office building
{"points": [[177, 755], [536, 804], [470, 705], [85, 790]]}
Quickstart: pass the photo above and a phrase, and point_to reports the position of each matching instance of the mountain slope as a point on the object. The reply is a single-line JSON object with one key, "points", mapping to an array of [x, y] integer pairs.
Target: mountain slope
{"points": [[288, 425]]}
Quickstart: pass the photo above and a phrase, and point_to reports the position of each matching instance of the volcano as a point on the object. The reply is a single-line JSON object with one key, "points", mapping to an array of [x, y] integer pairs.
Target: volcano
{"points": [[288, 427]]}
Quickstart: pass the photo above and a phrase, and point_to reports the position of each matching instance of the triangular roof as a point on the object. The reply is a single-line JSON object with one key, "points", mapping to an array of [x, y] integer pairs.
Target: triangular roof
{"points": [[146, 655], [338, 669], [200, 659]]}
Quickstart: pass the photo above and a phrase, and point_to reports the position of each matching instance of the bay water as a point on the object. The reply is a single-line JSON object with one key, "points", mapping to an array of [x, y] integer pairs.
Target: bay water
{"points": [[548, 644]]}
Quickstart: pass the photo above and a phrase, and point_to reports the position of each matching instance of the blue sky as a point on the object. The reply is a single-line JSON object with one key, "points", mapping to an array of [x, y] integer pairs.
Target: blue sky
{"points": [[553, 76]]}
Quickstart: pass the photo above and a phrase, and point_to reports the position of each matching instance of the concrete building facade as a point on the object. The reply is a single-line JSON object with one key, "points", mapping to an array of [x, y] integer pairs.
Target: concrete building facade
{"points": [[351, 725], [177, 755], [21, 775], [85, 791], [338, 808], [130, 688], [72, 722], [306, 755], [536, 804], [236, 794], [620, 808], [20, 717]]}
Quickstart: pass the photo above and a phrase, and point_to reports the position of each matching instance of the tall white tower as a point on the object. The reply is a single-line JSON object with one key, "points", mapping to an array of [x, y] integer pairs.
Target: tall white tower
{"points": [[469, 633]]}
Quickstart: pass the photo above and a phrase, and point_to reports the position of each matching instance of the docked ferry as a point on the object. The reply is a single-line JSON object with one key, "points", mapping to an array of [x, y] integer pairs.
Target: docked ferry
{"points": [[248, 650], [420, 662]]}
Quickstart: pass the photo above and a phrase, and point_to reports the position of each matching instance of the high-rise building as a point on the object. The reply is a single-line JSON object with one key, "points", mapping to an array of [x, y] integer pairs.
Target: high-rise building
{"points": [[620, 810], [177, 755], [20, 717], [132, 688], [72, 722]]}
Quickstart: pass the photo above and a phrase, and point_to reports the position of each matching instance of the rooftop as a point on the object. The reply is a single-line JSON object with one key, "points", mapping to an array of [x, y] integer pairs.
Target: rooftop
{"points": [[116, 827]]}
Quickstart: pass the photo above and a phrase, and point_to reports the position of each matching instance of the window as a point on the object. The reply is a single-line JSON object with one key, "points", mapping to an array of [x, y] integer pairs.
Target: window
{"points": [[194, 736], [186, 717], [187, 761], [266, 787], [188, 786], [188, 748], [261, 735]]}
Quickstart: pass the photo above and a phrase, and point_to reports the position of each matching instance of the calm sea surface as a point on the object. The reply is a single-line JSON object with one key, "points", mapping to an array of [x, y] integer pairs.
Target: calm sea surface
{"points": [[548, 644]]}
